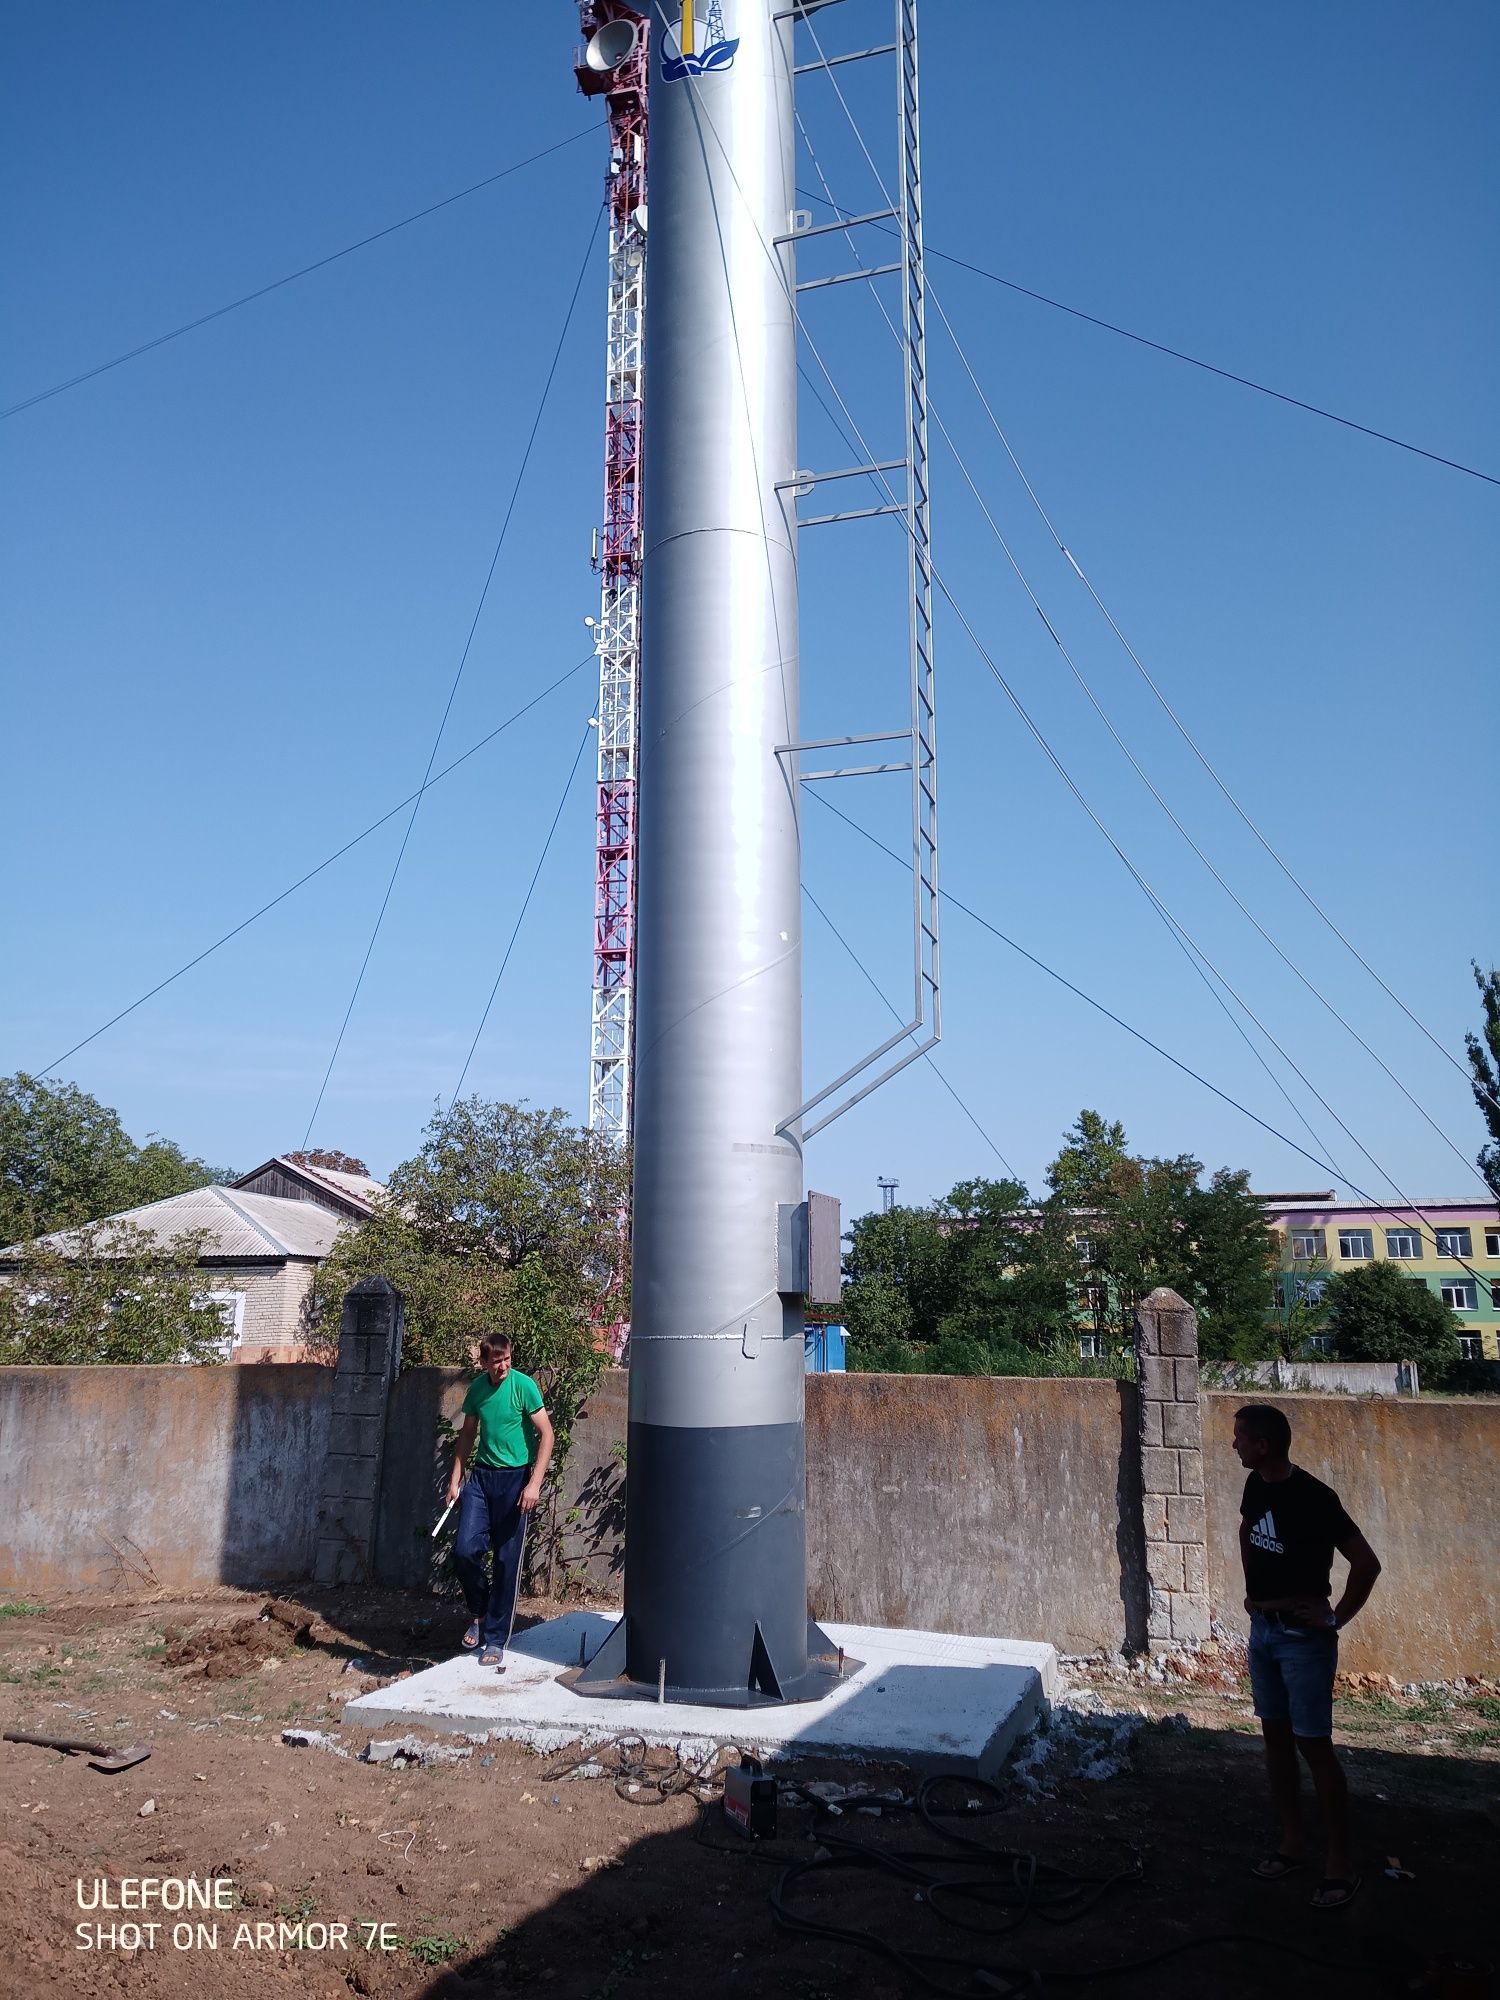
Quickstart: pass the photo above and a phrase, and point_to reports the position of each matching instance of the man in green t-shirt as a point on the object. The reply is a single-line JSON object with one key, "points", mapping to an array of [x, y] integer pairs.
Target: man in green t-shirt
{"points": [[503, 1413]]}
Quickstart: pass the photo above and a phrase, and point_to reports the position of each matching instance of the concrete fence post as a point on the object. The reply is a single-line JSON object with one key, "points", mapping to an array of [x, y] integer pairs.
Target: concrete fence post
{"points": [[369, 1356], [1172, 1501]]}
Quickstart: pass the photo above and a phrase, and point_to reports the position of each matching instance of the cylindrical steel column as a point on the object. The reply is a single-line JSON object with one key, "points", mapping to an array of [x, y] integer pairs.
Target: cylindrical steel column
{"points": [[715, 1566]]}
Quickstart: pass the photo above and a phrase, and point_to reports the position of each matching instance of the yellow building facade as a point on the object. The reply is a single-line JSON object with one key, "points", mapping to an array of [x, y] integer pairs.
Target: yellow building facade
{"points": [[1452, 1247]]}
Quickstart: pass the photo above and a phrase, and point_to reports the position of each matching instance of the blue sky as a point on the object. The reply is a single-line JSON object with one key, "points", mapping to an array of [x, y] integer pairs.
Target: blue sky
{"points": [[241, 569]]}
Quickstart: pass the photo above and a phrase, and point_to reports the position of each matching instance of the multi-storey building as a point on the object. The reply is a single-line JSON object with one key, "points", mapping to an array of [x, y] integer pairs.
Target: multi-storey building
{"points": [[1452, 1247]]}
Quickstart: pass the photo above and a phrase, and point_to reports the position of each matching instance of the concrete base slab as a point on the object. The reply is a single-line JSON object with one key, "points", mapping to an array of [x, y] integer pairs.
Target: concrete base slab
{"points": [[930, 1700]]}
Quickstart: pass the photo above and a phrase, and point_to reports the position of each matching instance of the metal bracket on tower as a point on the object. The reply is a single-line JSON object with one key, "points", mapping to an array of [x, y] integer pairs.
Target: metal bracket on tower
{"points": [[924, 1028]]}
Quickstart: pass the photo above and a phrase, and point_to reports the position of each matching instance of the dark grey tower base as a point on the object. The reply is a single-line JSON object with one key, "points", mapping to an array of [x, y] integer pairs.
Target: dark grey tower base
{"points": [[722, 1511]]}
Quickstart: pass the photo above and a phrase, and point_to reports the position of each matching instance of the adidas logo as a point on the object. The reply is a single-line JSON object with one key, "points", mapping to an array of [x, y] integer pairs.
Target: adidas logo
{"points": [[1263, 1535]]}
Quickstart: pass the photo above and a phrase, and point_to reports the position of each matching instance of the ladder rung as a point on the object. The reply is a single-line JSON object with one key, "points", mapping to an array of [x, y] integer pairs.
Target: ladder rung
{"points": [[854, 55], [853, 514], [828, 228], [854, 771], [847, 277], [801, 480]]}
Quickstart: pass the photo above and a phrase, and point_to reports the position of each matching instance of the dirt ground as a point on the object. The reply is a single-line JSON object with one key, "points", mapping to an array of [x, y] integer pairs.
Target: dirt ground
{"points": [[494, 1875]]}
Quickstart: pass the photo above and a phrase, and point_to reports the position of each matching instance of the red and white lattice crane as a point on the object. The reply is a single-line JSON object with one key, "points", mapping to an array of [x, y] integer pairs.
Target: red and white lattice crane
{"points": [[613, 64]]}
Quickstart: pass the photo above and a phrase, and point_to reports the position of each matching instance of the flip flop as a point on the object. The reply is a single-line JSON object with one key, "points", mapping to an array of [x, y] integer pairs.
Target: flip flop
{"points": [[1276, 1867], [493, 1657], [1346, 1886], [472, 1637]]}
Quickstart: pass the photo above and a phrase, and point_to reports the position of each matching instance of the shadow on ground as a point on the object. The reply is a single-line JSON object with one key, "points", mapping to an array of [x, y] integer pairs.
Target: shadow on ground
{"points": [[684, 1905]]}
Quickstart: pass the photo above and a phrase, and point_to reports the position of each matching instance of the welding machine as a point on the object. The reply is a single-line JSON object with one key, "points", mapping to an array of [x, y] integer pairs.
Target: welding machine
{"points": [[750, 1799]]}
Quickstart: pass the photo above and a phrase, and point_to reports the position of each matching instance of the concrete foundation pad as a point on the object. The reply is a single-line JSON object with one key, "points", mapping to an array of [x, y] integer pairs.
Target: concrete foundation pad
{"points": [[930, 1700]]}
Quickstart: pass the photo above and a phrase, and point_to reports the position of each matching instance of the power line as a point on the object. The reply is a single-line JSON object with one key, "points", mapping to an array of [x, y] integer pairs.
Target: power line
{"points": [[525, 905], [1373, 1202], [891, 1008], [1135, 765], [1191, 949], [276, 284], [825, 199], [302, 880], [463, 662], [1185, 733], [1185, 942], [1177, 354], [1201, 964]]}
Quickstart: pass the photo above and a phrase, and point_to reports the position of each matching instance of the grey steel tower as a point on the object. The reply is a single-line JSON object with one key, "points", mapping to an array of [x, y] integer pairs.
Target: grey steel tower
{"points": [[716, 1567]]}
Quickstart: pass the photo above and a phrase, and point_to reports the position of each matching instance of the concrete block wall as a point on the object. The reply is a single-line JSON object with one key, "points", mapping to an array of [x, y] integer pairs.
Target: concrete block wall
{"points": [[368, 1361], [1081, 1512], [1174, 1523]]}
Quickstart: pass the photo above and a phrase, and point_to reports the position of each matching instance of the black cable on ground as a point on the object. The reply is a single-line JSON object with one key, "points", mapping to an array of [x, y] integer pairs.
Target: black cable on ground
{"points": [[1010, 1885], [638, 1779], [986, 1890]]}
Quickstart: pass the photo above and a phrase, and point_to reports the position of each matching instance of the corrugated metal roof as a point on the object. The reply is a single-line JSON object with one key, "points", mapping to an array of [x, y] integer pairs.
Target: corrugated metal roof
{"points": [[237, 1224]]}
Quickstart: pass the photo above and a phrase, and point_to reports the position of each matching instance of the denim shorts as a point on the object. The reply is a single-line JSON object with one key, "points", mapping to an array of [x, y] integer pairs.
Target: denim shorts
{"points": [[1291, 1673]]}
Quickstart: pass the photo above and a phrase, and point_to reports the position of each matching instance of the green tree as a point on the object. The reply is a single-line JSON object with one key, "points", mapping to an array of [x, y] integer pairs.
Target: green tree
{"points": [[1301, 1308], [1232, 1255], [1378, 1312], [116, 1296], [1484, 1062], [903, 1251], [971, 1285], [1094, 1167], [1139, 1223], [506, 1219], [66, 1159]]}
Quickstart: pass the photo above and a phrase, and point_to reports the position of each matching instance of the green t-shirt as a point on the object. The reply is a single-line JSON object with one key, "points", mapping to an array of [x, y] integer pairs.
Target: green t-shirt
{"points": [[506, 1433]]}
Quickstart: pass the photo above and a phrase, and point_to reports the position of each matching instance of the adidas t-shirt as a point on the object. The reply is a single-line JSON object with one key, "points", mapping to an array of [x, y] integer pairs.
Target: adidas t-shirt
{"points": [[1294, 1524]]}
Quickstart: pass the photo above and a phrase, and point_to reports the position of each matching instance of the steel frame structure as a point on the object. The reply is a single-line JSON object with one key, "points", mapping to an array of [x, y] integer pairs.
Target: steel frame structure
{"points": [[617, 559], [924, 1029]]}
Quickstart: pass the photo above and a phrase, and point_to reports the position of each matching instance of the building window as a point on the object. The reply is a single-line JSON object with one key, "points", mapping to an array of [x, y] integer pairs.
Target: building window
{"points": [[1459, 1293], [1356, 1245], [1093, 1298], [1492, 1243], [1292, 1289], [1471, 1347], [1087, 1249], [1319, 1343], [1403, 1243], [1495, 1295], [1091, 1347], [231, 1307], [1454, 1243], [1307, 1244]]}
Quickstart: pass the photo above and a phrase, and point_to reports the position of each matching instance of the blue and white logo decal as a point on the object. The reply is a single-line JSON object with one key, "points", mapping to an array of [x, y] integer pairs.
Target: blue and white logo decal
{"points": [[716, 52]]}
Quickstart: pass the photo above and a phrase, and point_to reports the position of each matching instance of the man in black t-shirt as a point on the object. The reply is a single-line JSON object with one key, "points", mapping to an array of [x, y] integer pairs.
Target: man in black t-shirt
{"points": [[1290, 1525]]}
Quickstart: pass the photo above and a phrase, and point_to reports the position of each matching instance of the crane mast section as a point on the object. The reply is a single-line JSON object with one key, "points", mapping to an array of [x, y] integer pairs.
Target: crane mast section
{"points": [[617, 558]]}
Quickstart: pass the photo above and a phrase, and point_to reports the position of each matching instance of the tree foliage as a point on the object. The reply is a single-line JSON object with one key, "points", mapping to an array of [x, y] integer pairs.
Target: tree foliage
{"points": [[993, 1281], [117, 1295], [1378, 1312], [329, 1158], [506, 1220], [66, 1159], [1484, 1062]]}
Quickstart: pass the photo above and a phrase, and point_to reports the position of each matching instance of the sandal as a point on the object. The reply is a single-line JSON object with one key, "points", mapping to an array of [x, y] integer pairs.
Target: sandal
{"points": [[493, 1657], [1334, 1891], [472, 1637], [1276, 1867]]}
